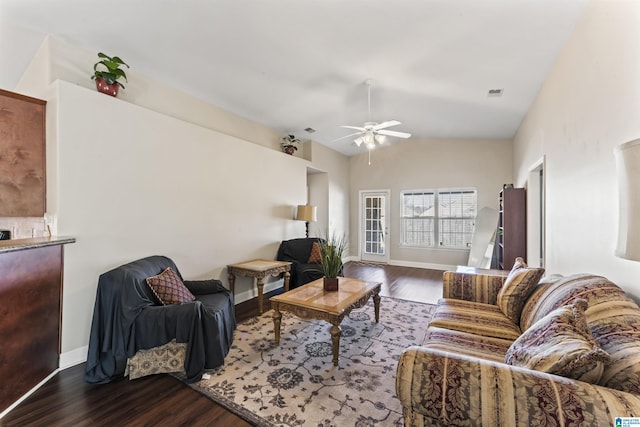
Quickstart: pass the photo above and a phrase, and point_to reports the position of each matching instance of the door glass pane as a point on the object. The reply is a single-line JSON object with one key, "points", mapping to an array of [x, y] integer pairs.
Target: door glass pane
{"points": [[374, 225]]}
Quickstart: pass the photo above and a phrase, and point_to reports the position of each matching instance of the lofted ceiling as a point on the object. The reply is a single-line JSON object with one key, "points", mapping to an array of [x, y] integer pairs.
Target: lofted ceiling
{"points": [[297, 64]]}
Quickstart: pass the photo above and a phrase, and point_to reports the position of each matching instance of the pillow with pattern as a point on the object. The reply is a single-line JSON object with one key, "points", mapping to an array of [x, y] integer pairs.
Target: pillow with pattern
{"points": [[517, 287], [560, 343], [316, 254], [169, 288]]}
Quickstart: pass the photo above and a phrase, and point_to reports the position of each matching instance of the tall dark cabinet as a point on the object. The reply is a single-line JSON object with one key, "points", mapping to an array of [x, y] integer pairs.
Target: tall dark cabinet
{"points": [[511, 237]]}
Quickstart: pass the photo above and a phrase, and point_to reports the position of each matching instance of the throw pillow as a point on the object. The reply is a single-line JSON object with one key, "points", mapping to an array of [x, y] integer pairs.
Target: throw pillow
{"points": [[560, 343], [517, 287], [316, 254], [169, 288]]}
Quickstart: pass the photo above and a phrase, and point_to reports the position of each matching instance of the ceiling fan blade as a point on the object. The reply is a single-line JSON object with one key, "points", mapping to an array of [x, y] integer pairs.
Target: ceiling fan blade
{"points": [[346, 136], [394, 133], [386, 124], [354, 127]]}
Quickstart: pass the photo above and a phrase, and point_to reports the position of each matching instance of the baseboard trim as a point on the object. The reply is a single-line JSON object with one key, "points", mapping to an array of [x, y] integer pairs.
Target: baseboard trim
{"points": [[73, 357], [399, 263], [253, 292], [29, 393], [428, 265]]}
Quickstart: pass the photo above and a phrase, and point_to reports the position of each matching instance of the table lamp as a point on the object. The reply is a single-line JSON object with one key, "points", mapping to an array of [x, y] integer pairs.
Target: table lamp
{"points": [[308, 214]]}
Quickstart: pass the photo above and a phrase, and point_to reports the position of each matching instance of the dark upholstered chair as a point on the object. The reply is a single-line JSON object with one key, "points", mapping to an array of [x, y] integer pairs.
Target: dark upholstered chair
{"points": [[297, 251], [129, 320]]}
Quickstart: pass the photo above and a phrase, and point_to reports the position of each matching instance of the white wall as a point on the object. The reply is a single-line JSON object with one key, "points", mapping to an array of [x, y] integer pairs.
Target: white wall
{"points": [[430, 163], [133, 183], [336, 167], [155, 171], [589, 104], [57, 59]]}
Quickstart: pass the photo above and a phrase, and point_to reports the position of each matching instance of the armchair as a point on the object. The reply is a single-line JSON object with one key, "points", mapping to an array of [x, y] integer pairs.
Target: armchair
{"points": [[298, 251], [128, 318]]}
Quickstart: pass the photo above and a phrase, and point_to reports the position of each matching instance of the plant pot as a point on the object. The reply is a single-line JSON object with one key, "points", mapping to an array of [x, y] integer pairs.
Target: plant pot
{"points": [[289, 149], [330, 284], [104, 87]]}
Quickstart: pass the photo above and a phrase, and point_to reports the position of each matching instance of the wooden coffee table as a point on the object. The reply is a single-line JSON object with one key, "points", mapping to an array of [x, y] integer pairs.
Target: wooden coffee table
{"points": [[311, 301]]}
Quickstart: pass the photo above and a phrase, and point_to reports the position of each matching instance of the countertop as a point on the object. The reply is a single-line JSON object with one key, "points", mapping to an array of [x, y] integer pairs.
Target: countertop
{"points": [[35, 242]]}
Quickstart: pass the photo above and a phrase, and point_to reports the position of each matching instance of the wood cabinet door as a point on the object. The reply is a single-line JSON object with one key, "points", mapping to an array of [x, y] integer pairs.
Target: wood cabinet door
{"points": [[22, 155]]}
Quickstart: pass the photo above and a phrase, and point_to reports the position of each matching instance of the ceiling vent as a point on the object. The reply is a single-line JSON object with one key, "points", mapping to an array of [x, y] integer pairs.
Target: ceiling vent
{"points": [[310, 130], [494, 93]]}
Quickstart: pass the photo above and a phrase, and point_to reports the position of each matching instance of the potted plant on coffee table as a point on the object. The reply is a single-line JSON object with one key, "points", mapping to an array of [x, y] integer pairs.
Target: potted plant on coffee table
{"points": [[331, 251], [288, 144], [107, 80]]}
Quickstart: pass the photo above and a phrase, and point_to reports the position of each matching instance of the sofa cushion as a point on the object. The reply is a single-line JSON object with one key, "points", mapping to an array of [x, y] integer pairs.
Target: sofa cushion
{"points": [[475, 318], [464, 343], [614, 320], [548, 296], [169, 288], [316, 255], [519, 284], [560, 343]]}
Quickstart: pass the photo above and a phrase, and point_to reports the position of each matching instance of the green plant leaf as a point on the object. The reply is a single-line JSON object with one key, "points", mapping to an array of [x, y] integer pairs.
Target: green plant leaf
{"points": [[113, 72], [331, 251], [119, 61]]}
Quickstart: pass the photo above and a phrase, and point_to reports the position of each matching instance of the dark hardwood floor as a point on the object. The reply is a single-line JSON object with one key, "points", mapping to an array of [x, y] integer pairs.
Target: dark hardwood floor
{"points": [[161, 400]]}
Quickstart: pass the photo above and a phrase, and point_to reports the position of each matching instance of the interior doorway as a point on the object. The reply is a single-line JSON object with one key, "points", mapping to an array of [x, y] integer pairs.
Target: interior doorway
{"points": [[374, 226], [536, 215]]}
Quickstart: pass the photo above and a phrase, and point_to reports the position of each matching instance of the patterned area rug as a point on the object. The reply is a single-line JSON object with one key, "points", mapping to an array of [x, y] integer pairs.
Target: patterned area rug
{"points": [[296, 384]]}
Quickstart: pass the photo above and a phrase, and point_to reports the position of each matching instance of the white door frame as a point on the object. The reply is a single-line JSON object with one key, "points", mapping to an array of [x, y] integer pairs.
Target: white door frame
{"points": [[536, 213], [361, 234]]}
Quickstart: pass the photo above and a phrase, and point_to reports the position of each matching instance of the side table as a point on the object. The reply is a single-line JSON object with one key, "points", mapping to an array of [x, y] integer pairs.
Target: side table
{"points": [[259, 269]]}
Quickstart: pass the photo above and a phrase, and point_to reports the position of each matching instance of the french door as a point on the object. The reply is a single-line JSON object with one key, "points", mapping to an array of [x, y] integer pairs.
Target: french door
{"points": [[374, 226]]}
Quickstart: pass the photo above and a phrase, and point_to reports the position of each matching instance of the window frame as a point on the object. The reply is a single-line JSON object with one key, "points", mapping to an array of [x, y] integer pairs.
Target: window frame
{"points": [[437, 217]]}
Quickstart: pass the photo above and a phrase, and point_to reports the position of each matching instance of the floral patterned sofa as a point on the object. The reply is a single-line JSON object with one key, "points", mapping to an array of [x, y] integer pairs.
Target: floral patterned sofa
{"points": [[514, 350]]}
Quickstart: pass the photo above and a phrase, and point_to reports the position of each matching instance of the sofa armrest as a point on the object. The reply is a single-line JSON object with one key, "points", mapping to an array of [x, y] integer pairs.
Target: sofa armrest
{"points": [[474, 287], [441, 388], [204, 287]]}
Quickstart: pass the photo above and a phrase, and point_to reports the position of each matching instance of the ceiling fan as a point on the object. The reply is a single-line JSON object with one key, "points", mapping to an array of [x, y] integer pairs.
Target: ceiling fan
{"points": [[373, 132]]}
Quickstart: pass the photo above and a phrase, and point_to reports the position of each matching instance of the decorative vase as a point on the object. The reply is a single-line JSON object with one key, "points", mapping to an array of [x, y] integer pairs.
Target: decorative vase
{"points": [[330, 284], [104, 87], [289, 149]]}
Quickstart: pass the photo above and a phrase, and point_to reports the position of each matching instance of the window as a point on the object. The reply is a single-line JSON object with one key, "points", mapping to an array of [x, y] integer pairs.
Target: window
{"points": [[438, 218]]}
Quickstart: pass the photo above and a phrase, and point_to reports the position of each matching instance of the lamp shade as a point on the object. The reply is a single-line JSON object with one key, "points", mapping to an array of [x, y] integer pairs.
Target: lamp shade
{"points": [[628, 164], [306, 213]]}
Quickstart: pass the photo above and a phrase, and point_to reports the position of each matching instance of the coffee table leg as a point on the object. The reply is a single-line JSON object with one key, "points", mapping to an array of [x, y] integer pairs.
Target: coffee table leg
{"points": [[277, 317], [376, 306], [260, 283], [335, 341]]}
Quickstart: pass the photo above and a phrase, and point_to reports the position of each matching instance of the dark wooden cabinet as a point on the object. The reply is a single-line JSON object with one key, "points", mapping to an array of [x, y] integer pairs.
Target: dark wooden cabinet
{"points": [[30, 313], [511, 237]]}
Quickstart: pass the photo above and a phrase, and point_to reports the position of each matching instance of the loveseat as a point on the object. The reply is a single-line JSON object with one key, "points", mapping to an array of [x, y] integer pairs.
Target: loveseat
{"points": [[304, 256], [460, 375], [147, 319]]}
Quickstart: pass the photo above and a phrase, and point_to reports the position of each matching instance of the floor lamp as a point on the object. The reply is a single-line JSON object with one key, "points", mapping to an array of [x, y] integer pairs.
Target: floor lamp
{"points": [[308, 214]]}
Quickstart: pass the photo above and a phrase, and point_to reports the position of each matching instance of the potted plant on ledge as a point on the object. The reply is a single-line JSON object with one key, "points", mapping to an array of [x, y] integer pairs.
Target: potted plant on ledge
{"points": [[287, 145], [107, 80], [331, 251]]}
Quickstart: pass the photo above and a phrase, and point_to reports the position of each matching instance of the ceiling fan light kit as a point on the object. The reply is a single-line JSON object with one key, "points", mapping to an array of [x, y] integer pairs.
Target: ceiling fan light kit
{"points": [[373, 132]]}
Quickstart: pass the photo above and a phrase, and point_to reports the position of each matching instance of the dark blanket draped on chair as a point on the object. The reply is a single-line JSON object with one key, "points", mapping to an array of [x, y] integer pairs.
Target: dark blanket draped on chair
{"points": [[127, 317], [297, 251]]}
